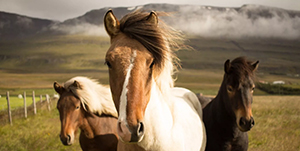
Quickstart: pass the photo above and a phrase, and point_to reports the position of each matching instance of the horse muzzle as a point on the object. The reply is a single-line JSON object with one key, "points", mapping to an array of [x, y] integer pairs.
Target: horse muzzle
{"points": [[67, 140], [130, 135], [245, 125]]}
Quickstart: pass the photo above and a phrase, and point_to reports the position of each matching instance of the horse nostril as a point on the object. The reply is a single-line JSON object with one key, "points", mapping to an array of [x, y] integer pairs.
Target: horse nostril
{"points": [[69, 138], [140, 130], [242, 121], [252, 122]]}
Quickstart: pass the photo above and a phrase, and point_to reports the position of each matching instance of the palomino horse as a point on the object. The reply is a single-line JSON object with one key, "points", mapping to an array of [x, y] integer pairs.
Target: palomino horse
{"points": [[228, 116], [153, 115], [87, 105]]}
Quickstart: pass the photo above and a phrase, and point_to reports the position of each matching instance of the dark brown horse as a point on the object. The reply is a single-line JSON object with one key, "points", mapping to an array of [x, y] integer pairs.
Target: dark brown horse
{"points": [[88, 106], [228, 116]]}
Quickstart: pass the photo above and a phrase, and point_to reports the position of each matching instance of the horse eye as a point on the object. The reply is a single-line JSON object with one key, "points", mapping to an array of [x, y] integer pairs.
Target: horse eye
{"points": [[108, 64], [252, 89], [229, 88], [77, 107], [151, 65]]}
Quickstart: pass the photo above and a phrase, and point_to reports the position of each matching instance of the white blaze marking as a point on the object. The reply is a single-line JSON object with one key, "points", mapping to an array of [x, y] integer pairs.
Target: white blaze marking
{"points": [[123, 97]]}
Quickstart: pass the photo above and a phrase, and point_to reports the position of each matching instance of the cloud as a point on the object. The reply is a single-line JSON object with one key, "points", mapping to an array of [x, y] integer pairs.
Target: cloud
{"points": [[249, 21], [24, 21], [83, 28]]}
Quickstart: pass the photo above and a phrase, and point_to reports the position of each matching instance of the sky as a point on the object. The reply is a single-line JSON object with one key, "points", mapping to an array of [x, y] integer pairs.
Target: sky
{"points": [[61, 10]]}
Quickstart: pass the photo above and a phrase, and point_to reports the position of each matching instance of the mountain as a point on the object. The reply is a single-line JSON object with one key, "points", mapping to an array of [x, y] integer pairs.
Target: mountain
{"points": [[18, 26], [206, 21]]}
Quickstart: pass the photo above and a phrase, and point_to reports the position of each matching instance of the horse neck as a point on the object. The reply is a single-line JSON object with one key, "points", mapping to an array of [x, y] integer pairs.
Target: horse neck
{"points": [[165, 81], [158, 118], [224, 117], [94, 124]]}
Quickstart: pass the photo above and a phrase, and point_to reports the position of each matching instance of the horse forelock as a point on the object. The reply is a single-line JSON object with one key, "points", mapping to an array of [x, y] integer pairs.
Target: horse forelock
{"points": [[158, 40], [93, 96], [241, 68]]}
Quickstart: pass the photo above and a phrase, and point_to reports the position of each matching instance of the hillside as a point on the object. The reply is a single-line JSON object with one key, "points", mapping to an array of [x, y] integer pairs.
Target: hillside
{"points": [[247, 21], [37, 63], [14, 26], [59, 50]]}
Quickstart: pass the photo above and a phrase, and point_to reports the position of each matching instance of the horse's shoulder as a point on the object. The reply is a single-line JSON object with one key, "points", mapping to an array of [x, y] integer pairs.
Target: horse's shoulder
{"points": [[189, 97]]}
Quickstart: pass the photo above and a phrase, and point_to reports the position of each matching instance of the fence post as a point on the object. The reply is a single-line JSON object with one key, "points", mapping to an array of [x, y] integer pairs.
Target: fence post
{"points": [[48, 101], [34, 104], [41, 98], [25, 106], [8, 108]]}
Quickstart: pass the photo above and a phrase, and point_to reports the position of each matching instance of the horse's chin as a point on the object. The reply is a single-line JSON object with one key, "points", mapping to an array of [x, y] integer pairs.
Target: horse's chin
{"points": [[129, 142], [242, 129]]}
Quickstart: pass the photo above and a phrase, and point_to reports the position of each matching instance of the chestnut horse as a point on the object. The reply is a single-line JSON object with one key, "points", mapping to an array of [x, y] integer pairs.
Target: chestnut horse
{"points": [[228, 116], [153, 115], [87, 105]]}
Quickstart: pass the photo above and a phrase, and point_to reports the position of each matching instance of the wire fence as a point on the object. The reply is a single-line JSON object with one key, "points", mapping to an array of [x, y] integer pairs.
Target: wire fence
{"points": [[23, 106]]}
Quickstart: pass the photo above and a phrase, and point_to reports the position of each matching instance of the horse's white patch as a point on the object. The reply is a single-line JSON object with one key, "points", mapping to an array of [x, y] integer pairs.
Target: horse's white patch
{"points": [[123, 97]]}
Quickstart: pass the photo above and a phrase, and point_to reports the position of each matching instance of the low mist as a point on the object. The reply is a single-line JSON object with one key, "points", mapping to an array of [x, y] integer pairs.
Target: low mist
{"points": [[248, 21]]}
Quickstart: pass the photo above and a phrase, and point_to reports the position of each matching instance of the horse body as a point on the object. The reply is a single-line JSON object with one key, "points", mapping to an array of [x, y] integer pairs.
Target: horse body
{"points": [[102, 135], [153, 115], [222, 131], [228, 116], [172, 125], [82, 107]]}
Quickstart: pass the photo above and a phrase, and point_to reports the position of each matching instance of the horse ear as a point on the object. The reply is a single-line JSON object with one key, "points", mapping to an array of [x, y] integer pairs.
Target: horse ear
{"points": [[227, 66], [153, 18], [58, 88], [255, 65], [76, 85], [112, 25]]}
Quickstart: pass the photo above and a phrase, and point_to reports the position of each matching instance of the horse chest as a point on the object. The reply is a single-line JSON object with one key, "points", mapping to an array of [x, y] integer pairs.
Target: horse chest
{"points": [[223, 135]]}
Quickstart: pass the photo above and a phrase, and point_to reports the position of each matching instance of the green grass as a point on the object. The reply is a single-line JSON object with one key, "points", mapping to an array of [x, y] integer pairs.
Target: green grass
{"points": [[16, 102], [54, 54], [36, 133], [277, 128], [277, 123]]}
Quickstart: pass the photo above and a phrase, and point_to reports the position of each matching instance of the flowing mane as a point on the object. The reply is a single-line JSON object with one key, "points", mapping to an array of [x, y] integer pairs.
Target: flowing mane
{"points": [[158, 39], [94, 97]]}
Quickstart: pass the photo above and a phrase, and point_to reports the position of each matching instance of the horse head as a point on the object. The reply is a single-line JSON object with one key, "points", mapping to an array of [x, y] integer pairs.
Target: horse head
{"points": [[138, 57], [70, 111], [238, 86]]}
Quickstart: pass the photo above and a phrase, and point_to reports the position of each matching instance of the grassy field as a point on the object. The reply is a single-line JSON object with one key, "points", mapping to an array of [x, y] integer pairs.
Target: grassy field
{"points": [[34, 64], [36, 133], [277, 124], [277, 128]]}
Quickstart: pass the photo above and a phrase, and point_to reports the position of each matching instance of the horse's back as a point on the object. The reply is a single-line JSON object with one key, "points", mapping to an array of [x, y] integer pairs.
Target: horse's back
{"points": [[188, 119]]}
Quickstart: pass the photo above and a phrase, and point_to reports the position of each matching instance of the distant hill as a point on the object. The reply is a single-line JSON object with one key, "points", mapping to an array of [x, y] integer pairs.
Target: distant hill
{"points": [[17, 26], [247, 21], [206, 21]]}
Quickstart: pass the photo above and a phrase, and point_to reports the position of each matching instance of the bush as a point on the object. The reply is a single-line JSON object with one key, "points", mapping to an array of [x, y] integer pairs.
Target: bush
{"points": [[278, 89]]}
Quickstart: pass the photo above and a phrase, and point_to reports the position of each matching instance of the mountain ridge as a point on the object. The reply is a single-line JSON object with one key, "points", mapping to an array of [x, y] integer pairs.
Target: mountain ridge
{"points": [[249, 20]]}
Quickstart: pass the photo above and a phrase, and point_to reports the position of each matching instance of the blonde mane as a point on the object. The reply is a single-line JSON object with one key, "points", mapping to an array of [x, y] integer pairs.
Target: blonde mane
{"points": [[94, 97]]}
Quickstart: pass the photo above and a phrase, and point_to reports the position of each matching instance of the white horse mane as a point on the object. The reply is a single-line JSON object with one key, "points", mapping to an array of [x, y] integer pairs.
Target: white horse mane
{"points": [[94, 96]]}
